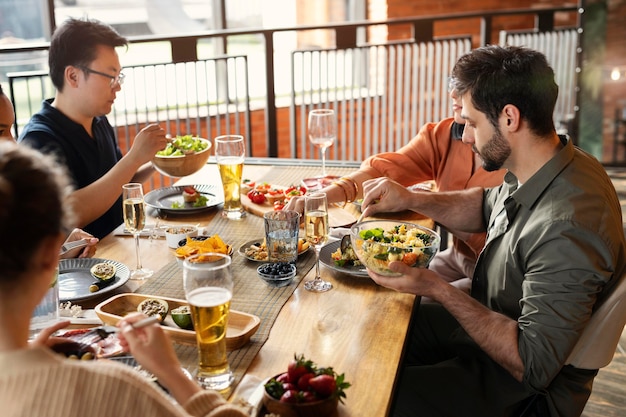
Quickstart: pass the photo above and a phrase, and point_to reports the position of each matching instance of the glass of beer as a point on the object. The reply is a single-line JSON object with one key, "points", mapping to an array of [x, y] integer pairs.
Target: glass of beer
{"points": [[208, 284], [230, 151]]}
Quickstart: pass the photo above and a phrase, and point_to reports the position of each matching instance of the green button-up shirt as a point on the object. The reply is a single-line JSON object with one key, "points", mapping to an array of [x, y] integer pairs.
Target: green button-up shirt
{"points": [[555, 246]]}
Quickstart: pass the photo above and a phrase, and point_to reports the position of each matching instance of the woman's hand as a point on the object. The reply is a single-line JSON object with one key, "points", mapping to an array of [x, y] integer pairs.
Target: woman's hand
{"points": [[86, 252], [153, 349], [45, 338]]}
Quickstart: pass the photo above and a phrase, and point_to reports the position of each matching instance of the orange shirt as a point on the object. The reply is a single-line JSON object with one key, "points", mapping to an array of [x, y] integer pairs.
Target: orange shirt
{"points": [[433, 155]]}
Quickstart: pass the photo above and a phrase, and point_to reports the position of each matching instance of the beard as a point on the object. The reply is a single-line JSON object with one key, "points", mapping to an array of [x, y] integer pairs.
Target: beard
{"points": [[495, 152]]}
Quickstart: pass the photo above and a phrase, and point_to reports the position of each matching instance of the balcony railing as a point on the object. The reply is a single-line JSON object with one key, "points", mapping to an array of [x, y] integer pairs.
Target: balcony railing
{"points": [[383, 90]]}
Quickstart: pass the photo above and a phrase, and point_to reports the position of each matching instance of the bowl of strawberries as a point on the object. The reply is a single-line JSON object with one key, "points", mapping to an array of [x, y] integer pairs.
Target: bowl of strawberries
{"points": [[304, 390]]}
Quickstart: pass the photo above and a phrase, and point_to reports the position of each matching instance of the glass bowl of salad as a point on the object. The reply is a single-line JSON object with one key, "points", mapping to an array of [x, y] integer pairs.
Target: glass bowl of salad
{"points": [[379, 242], [183, 156]]}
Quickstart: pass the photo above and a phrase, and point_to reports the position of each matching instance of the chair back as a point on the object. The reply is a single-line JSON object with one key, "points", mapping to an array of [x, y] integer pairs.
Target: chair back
{"points": [[597, 343]]}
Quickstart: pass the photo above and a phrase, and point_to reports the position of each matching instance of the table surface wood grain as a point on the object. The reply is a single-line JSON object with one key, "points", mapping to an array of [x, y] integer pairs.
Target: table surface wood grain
{"points": [[358, 327]]}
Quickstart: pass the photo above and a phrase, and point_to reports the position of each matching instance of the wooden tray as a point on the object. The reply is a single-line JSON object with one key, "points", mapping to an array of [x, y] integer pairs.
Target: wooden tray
{"points": [[241, 326]]}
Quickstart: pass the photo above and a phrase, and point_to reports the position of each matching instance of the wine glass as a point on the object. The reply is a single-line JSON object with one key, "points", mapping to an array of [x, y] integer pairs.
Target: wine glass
{"points": [[316, 233], [135, 221], [322, 131]]}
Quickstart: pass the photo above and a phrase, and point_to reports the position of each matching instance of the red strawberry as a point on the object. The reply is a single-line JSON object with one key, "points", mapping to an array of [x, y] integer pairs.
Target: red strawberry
{"points": [[298, 367], [290, 396], [324, 385], [303, 382]]}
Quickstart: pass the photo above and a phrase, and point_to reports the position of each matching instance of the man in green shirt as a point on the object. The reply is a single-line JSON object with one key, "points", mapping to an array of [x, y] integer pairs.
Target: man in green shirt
{"points": [[555, 248]]}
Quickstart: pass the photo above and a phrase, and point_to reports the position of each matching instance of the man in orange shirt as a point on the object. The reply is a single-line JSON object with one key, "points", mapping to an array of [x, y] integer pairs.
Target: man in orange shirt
{"points": [[435, 154]]}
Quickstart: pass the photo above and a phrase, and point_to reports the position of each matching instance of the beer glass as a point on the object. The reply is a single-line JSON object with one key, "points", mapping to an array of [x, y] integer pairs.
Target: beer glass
{"points": [[230, 151], [208, 284]]}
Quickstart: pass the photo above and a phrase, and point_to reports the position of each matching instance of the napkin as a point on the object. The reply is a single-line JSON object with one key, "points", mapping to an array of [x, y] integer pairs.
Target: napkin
{"points": [[249, 394], [337, 233]]}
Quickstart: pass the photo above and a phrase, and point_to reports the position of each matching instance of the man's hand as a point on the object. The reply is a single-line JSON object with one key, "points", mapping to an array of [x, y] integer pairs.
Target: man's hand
{"points": [[383, 195], [148, 142]]}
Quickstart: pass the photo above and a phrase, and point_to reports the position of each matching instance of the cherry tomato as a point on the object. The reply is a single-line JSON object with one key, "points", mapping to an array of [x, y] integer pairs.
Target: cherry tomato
{"points": [[256, 197], [279, 205], [409, 258]]}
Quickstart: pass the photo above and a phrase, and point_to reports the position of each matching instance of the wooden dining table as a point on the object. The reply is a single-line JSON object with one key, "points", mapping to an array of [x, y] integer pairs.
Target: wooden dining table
{"points": [[359, 328]]}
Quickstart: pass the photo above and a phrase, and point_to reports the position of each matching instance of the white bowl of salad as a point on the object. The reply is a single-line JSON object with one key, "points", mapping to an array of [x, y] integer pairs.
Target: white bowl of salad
{"points": [[183, 156], [379, 242]]}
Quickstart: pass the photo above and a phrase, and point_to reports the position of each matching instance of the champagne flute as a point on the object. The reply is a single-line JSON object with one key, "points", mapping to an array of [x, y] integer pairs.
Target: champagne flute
{"points": [[316, 233], [322, 131], [135, 221], [230, 151]]}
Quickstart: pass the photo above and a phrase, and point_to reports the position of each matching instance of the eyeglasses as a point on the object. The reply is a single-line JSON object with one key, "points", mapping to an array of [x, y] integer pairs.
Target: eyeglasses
{"points": [[451, 84], [119, 79]]}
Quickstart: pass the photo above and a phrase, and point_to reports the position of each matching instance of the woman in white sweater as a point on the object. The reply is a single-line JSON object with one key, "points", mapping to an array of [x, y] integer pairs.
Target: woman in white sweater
{"points": [[35, 381]]}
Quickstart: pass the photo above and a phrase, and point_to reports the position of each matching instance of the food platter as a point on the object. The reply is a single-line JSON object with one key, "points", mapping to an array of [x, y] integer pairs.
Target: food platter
{"points": [[258, 242], [328, 249], [75, 278], [241, 326], [163, 198]]}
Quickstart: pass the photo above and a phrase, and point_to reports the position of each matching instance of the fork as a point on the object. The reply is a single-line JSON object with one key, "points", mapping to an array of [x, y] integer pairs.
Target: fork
{"points": [[96, 334], [66, 247]]}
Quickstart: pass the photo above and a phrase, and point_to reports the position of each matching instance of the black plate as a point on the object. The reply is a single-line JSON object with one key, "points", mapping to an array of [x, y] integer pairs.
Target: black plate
{"points": [[75, 278], [163, 198], [327, 250]]}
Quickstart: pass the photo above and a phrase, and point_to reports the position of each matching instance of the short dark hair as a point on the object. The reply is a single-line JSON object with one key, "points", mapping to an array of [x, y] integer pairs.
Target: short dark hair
{"points": [[74, 43], [495, 76], [34, 188]]}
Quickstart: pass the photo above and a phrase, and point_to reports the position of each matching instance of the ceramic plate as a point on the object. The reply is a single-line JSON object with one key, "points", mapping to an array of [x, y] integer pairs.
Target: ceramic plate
{"points": [[325, 258], [258, 242], [163, 198], [75, 278]]}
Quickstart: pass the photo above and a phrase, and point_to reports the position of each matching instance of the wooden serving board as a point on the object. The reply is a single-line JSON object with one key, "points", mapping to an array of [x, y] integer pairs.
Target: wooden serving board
{"points": [[337, 217], [241, 326]]}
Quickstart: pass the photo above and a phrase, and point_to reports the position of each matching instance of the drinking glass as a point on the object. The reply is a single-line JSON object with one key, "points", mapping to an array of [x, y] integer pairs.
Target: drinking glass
{"points": [[322, 131], [230, 151], [208, 284], [316, 232], [135, 221], [47, 311]]}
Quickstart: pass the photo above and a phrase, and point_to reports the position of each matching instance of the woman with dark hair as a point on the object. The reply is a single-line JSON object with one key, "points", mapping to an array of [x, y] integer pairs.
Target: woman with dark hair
{"points": [[34, 380]]}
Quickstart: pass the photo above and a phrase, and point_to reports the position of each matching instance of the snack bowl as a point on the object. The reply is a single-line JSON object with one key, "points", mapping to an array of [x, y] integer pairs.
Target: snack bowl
{"points": [[379, 242], [198, 247], [182, 165], [322, 407], [174, 234], [277, 274]]}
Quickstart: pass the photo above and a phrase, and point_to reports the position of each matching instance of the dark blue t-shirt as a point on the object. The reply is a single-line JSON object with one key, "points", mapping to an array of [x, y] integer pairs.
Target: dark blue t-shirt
{"points": [[86, 158]]}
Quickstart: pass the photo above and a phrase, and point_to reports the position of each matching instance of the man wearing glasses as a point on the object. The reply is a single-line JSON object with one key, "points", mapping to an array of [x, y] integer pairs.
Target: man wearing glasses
{"points": [[86, 72]]}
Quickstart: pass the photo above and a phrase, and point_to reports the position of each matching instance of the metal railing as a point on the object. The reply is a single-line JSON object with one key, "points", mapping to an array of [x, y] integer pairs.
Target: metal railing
{"points": [[394, 86]]}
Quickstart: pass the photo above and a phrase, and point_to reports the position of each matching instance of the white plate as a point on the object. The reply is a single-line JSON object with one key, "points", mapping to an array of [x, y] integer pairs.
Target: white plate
{"points": [[75, 278], [327, 250], [163, 198]]}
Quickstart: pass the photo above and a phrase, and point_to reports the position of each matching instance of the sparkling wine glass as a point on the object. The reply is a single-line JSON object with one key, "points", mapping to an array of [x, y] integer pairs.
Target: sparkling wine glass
{"points": [[135, 221], [322, 131], [316, 233]]}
